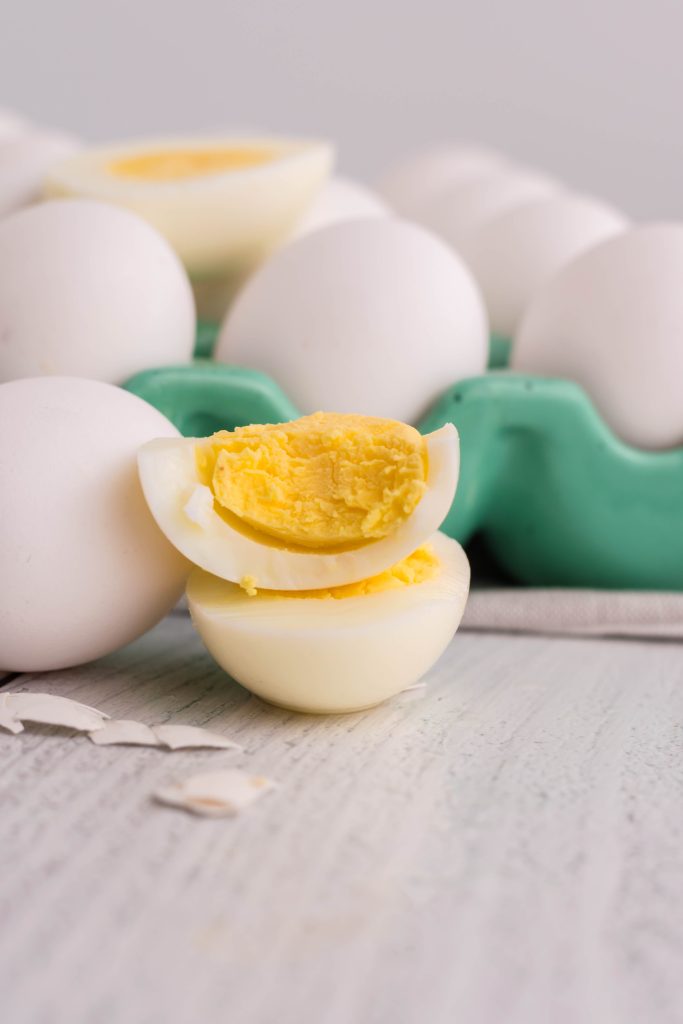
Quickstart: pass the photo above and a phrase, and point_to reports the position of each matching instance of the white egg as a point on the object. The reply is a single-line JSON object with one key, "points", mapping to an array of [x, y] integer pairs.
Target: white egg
{"points": [[84, 568], [459, 210], [89, 290], [223, 203], [376, 317], [514, 254], [184, 510], [25, 157], [11, 124], [329, 655], [340, 199], [417, 180], [612, 320]]}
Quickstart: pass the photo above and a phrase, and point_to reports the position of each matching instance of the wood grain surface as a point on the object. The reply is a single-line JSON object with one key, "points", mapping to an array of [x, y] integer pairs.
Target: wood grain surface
{"points": [[503, 847]]}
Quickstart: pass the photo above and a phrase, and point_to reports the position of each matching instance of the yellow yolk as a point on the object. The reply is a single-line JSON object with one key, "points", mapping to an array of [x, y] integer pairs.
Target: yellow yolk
{"points": [[172, 164], [324, 481], [419, 567]]}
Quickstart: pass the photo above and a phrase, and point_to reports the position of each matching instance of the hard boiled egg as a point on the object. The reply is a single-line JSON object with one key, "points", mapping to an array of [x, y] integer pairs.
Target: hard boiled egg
{"points": [[323, 501], [24, 159], [456, 212], [514, 254], [612, 320], [342, 649], [222, 203], [417, 180], [376, 317], [340, 199], [90, 290], [84, 567]]}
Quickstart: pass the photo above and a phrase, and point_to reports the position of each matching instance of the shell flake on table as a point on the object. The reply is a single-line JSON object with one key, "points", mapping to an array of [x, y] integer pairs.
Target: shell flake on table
{"points": [[215, 794]]}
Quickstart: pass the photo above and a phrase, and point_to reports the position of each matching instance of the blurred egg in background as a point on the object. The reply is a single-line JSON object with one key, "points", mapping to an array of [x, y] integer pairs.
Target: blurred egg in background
{"points": [[417, 180], [612, 320], [25, 156], [341, 199], [514, 254], [459, 210]]}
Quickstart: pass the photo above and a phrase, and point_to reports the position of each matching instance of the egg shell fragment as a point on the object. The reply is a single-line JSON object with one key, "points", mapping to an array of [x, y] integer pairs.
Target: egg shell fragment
{"points": [[52, 709], [329, 656], [168, 472], [216, 794]]}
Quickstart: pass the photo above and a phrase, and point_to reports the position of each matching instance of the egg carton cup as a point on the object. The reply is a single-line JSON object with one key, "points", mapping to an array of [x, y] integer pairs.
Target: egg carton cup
{"points": [[558, 499]]}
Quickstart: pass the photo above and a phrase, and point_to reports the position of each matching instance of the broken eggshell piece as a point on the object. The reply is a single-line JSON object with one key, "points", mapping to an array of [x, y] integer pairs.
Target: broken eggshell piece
{"points": [[50, 709], [215, 794]]}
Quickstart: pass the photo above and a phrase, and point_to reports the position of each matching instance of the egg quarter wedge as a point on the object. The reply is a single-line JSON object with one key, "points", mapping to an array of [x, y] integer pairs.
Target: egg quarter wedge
{"points": [[185, 510], [220, 201], [325, 655]]}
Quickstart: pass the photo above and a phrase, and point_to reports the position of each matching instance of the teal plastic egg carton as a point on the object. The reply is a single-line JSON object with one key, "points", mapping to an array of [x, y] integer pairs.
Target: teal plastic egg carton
{"points": [[557, 498]]}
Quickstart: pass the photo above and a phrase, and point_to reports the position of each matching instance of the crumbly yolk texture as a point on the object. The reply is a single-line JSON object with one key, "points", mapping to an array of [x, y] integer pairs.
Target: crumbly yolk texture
{"points": [[323, 482], [419, 567], [176, 164]]}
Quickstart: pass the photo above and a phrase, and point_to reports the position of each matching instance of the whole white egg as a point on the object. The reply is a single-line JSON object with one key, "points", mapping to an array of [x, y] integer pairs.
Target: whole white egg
{"points": [[412, 183], [461, 209], [341, 199], [90, 290], [370, 316], [25, 157], [84, 568], [612, 320], [514, 254]]}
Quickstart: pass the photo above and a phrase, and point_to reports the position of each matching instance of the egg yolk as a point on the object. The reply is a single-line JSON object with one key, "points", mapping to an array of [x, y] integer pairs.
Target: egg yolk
{"points": [[175, 164], [323, 482], [419, 567]]}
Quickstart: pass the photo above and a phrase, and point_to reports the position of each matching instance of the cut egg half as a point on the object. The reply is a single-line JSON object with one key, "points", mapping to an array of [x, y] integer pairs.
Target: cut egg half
{"points": [[222, 203], [323, 501], [336, 650]]}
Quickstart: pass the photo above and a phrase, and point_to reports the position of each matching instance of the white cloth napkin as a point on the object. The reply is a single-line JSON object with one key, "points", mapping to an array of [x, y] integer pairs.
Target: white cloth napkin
{"points": [[633, 613]]}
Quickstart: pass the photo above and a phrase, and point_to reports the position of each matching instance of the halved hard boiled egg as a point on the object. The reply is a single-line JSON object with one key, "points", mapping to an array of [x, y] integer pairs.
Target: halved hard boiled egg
{"points": [[323, 501], [223, 203], [341, 649]]}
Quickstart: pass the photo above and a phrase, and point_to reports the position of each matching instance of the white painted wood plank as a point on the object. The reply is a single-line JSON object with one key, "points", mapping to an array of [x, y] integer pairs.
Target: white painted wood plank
{"points": [[503, 846]]}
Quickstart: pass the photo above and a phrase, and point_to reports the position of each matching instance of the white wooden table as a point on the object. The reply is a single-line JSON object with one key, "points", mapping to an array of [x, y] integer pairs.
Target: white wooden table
{"points": [[504, 847]]}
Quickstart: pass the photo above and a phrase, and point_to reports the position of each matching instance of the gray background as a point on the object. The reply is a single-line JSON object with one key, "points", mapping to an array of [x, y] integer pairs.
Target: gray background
{"points": [[590, 90]]}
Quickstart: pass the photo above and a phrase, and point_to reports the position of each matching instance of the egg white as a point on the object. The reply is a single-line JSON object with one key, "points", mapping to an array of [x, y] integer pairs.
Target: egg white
{"points": [[221, 224], [326, 655], [168, 473]]}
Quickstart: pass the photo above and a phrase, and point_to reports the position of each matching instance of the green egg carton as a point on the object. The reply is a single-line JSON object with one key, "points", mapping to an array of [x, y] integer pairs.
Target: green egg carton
{"points": [[558, 499]]}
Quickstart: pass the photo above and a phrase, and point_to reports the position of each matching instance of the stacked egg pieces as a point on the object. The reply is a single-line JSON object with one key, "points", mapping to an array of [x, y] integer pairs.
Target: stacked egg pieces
{"points": [[368, 304]]}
